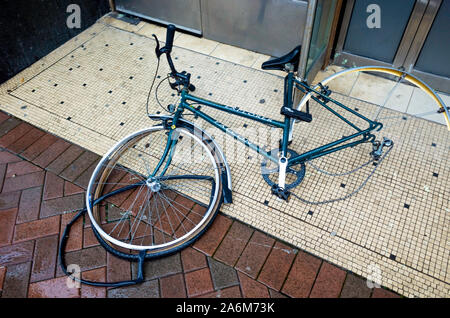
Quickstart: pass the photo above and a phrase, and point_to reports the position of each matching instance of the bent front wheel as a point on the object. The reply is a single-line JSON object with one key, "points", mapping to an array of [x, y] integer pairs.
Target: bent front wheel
{"points": [[156, 190]]}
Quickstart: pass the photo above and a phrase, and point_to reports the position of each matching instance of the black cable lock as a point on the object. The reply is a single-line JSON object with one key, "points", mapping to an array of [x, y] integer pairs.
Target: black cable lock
{"points": [[140, 258]]}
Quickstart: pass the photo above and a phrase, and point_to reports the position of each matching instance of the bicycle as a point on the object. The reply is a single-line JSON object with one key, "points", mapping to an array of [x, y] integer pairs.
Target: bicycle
{"points": [[157, 190]]}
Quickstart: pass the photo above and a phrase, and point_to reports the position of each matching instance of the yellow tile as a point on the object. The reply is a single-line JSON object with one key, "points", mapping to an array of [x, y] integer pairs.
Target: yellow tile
{"points": [[235, 54], [148, 29], [195, 43]]}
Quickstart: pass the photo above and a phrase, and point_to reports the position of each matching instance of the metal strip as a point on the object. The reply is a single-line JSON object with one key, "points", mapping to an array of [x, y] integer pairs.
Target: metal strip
{"points": [[410, 32], [345, 24], [310, 15], [421, 35]]}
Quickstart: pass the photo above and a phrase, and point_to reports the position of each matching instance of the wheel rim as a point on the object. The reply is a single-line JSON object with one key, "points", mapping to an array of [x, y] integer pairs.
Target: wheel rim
{"points": [[404, 77], [161, 212]]}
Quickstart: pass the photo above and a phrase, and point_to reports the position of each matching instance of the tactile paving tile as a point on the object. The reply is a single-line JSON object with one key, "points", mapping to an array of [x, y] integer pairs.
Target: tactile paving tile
{"points": [[92, 91]]}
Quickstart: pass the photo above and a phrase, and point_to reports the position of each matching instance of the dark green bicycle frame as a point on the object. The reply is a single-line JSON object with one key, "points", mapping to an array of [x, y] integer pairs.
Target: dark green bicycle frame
{"points": [[290, 83]]}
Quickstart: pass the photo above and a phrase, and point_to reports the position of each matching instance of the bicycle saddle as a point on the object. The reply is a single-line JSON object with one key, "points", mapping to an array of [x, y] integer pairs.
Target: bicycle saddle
{"points": [[280, 62]]}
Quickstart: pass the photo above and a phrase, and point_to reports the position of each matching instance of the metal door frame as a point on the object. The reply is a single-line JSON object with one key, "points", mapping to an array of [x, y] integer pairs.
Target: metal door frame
{"points": [[309, 29], [409, 48]]}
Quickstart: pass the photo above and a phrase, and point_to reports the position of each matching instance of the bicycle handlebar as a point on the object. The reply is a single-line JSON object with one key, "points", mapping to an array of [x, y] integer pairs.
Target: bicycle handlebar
{"points": [[182, 78], [169, 37]]}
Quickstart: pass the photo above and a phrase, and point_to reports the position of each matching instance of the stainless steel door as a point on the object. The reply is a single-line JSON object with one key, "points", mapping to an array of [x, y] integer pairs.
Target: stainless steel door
{"points": [[185, 14], [413, 35], [272, 27]]}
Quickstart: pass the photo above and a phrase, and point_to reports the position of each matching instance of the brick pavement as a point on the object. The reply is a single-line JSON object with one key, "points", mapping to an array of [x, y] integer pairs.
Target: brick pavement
{"points": [[42, 181]]}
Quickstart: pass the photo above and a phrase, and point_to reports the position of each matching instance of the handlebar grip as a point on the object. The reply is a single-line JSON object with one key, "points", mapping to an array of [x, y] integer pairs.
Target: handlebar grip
{"points": [[169, 37]]}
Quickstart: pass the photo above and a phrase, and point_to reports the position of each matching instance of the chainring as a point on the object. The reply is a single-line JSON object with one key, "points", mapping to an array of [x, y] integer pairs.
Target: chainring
{"points": [[298, 174]]}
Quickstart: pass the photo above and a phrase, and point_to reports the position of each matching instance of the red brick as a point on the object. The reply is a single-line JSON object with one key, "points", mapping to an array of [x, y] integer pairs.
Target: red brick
{"points": [[275, 294], [147, 289], [252, 288], [39, 146], [89, 238], [234, 243], [85, 177], [329, 282], [9, 124], [277, 266], [86, 258], [16, 281], [125, 179], [198, 282], [116, 176], [7, 221], [173, 286], [117, 269], [255, 254], [31, 180], [76, 232], [53, 288], [16, 253], [21, 168], [26, 140], [29, 205], [53, 186], [51, 153], [70, 188], [2, 276], [192, 259], [14, 134], [383, 293], [355, 287], [65, 159], [2, 174], [95, 275], [6, 157], [230, 292], [209, 241], [62, 205], [44, 261], [35, 229], [9, 200], [302, 276], [3, 117], [76, 168]]}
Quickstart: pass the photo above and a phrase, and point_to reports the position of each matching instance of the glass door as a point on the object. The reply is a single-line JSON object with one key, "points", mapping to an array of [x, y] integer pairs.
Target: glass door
{"points": [[410, 35], [319, 23]]}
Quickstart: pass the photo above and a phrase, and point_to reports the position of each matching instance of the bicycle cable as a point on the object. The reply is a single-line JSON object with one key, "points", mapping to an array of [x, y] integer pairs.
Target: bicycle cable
{"points": [[381, 107], [353, 192], [151, 87]]}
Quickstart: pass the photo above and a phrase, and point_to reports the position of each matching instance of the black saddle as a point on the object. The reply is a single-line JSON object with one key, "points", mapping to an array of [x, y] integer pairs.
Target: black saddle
{"points": [[280, 62]]}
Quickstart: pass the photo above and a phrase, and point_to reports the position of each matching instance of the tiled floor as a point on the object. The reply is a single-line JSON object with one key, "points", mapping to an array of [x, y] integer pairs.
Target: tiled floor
{"points": [[43, 179], [92, 91]]}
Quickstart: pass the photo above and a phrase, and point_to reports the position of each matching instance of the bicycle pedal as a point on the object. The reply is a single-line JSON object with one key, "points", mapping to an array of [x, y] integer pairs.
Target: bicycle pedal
{"points": [[281, 193]]}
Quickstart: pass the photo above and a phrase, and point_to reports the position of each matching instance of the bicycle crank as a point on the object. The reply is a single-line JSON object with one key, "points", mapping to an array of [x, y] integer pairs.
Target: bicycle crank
{"points": [[293, 176]]}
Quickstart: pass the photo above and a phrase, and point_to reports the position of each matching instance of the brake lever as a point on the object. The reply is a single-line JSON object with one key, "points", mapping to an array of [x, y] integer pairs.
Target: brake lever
{"points": [[157, 49]]}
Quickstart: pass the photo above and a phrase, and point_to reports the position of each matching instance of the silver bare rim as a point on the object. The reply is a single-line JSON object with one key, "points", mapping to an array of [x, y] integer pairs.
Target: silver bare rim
{"points": [[156, 213]]}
